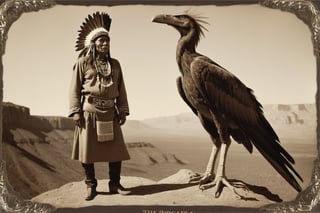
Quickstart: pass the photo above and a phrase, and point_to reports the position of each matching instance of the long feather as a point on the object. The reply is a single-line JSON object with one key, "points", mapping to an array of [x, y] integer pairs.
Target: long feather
{"points": [[91, 22]]}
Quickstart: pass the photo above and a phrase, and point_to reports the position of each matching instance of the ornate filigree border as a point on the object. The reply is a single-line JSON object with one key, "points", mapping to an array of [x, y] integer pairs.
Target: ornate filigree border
{"points": [[307, 12], [11, 10]]}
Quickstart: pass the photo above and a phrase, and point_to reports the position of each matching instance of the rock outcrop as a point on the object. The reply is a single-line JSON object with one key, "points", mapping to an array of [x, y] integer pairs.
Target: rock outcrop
{"points": [[16, 116], [169, 193], [17, 119]]}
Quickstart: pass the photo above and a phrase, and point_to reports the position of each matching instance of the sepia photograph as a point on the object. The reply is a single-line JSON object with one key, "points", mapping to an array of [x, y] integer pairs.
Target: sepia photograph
{"points": [[154, 108]]}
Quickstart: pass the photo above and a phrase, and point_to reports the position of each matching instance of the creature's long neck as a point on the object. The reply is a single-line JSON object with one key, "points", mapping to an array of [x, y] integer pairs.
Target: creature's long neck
{"points": [[186, 44]]}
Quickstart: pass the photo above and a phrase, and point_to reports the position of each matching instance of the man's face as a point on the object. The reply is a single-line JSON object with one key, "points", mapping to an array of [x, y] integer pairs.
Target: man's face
{"points": [[102, 44]]}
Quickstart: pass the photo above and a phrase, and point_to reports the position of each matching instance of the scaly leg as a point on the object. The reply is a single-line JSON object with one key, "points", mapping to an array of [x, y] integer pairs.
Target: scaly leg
{"points": [[220, 179], [210, 127], [209, 175]]}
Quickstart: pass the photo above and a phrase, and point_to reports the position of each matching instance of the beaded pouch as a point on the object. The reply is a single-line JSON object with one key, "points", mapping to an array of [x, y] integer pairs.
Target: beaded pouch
{"points": [[105, 131]]}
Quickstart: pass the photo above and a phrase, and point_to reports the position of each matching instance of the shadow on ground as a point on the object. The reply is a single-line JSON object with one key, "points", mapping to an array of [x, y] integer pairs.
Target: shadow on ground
{"points": [[158, 188], [261, 190]]}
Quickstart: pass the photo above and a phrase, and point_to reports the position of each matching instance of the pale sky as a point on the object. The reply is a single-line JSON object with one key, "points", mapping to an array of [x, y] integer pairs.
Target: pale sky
{"points": [[267, 49]]}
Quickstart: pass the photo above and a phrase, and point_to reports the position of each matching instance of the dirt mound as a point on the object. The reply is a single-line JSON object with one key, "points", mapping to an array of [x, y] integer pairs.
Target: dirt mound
{"points": [[171, 191]]}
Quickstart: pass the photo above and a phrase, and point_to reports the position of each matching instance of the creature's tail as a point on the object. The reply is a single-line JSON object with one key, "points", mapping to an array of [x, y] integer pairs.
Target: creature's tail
{"points": [[266, 141]]}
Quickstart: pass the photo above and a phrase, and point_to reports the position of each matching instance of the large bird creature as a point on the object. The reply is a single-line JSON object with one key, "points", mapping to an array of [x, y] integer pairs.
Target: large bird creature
{"points": [[225, 107]]}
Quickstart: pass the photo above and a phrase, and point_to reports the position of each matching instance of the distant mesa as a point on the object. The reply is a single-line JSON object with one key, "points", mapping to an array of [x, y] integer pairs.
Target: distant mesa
{"points": [[297, 107], [19, 116], [187, 124], [15, 116], [293, 114]]}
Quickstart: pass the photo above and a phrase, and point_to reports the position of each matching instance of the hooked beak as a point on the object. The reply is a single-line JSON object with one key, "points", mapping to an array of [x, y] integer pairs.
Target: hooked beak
{"points": [[166, 19], [160, 18]]}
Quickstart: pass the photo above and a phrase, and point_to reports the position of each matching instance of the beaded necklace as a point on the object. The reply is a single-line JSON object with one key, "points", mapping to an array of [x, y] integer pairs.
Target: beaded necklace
{"points": [[104, 77]]}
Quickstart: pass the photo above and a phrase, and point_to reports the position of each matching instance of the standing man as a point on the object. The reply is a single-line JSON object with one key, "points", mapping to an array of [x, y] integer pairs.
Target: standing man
{"points": [[98, 104]]}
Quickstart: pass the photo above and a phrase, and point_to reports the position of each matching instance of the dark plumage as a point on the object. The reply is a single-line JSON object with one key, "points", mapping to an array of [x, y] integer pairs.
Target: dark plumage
{"points": [[224, 105]]}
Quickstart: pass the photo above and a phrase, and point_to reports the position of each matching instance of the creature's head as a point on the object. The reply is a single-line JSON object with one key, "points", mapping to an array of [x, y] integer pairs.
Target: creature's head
{"points": [[185, 24]]}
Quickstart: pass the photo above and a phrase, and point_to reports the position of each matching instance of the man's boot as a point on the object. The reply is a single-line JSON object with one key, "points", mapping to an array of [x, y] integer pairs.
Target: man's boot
{"points": [[114, 184], [91, 193], [90, 181]]}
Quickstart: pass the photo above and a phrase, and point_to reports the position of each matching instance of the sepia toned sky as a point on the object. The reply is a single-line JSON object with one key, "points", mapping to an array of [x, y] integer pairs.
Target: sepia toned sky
{"points": [[267, 49]]}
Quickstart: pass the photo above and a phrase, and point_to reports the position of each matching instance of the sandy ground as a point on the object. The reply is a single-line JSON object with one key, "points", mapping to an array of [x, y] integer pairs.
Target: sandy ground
{"points": [[174, 193]]}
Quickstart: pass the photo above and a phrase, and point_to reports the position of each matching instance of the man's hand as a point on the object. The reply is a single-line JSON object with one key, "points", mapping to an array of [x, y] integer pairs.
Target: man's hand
{"points": [[77, 119], [122, 118]]}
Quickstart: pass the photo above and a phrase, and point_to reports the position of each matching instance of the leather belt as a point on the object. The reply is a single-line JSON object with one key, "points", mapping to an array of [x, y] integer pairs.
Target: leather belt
{"points": [[100, 102]]}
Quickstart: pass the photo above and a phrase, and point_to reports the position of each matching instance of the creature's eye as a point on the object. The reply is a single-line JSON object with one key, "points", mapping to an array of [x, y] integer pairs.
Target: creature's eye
{"points": [[182, 16]]}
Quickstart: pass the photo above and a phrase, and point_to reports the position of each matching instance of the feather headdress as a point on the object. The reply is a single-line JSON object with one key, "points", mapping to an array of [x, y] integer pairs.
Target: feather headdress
{"points": [[95, 25]]}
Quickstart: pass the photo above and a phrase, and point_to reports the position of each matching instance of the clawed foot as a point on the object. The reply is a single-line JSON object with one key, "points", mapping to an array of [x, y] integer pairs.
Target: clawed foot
{"points": [[202, 178], [220, 182]]}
